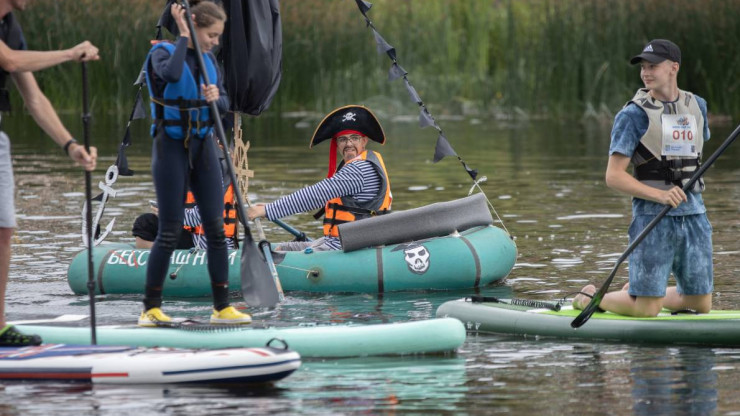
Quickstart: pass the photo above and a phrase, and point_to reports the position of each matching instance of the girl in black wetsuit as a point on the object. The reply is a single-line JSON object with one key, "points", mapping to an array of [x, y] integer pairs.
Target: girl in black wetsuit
{"points": [[184, 155]]}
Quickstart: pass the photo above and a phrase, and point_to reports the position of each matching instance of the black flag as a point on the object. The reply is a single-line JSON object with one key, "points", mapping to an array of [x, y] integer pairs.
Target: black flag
{"points": [[252, 54], [443, 148]]}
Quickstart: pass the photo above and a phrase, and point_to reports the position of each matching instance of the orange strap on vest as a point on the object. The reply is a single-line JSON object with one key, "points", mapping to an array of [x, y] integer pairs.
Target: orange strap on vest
{"points": [[337, 213], [230, 219]]}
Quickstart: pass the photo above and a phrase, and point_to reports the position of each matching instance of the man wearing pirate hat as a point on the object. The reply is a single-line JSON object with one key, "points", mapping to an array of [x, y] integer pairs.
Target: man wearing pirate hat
{"points": [[356, 189]]}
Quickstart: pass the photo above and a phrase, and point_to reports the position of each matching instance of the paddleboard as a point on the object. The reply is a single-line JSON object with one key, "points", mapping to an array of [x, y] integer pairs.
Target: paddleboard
{"points": [[426, 336], [717, 328], [130, 365]]}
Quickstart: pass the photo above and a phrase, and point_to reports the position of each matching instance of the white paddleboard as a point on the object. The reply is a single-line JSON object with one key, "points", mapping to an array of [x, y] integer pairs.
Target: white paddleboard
{"points": [[130, 365]]}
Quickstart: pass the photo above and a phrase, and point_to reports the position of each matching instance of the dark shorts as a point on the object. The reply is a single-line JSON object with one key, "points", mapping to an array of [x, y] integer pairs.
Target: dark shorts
{"points": [[678, 244]]}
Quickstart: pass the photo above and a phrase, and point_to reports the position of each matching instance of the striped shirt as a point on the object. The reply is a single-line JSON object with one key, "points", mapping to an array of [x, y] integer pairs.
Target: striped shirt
{"points": [[192, 219], [358, 179]]}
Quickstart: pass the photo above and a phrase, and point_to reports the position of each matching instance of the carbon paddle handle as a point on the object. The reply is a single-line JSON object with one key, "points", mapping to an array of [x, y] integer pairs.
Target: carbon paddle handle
{"points": [[589, 310], [88, 201]]}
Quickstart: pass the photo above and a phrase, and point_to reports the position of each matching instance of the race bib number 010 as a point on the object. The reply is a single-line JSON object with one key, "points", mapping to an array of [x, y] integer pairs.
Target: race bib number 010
{"points": [[679, 135]]}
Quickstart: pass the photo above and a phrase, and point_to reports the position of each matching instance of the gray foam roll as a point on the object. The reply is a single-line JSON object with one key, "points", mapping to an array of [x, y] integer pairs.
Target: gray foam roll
{"points": [[435, 220]]}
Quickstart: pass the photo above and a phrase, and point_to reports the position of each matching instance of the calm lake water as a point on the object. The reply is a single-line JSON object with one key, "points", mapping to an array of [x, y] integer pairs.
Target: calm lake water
{"points": [[545, 180]]}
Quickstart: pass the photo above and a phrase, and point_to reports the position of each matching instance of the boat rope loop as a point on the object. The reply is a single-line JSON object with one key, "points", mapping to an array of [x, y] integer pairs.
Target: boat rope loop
{"points": [[309, 272], [476, 185]]}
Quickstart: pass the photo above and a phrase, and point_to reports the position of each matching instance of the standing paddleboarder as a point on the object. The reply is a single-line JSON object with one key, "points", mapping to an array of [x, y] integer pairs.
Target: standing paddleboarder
{"points": [[183, 155], [20, 64], [661, 131]]}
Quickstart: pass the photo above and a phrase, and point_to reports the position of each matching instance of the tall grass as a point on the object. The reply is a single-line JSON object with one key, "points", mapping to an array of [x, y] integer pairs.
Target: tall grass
{"points": [[552, 58], [121, 30]]}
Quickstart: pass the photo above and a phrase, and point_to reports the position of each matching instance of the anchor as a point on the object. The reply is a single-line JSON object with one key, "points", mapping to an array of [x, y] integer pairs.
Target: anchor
{"points": [[111, 175]]}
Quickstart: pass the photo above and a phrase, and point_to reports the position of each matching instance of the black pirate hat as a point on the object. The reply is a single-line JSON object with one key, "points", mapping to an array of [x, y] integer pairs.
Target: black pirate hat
{"points": [[351, 117]]}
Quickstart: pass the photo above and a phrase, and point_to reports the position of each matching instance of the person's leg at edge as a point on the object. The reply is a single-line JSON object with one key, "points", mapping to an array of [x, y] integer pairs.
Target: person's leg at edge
{"points": [[5, 236], [9, 335], [7, 218]]}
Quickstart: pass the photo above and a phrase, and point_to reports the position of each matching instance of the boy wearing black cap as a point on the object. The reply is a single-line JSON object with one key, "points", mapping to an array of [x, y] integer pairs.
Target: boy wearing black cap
{"points": [[661, 132], [358, 188]]}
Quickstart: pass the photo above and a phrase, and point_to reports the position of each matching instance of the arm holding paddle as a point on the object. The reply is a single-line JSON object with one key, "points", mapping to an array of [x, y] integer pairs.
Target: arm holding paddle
{"points": [[21, 64], [46, 117], [28, 61], [619, 179], [256, 211]]}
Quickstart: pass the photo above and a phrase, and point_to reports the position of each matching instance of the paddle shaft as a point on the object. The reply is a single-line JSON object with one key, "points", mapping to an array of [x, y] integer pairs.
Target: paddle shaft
{"points": [[585, 315], [220, 134], [300, 235], [88, 201], [266, 295]]}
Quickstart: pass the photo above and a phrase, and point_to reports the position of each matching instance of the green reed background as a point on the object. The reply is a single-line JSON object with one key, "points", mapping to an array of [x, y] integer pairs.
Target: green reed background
{"points": [[550, 58]]}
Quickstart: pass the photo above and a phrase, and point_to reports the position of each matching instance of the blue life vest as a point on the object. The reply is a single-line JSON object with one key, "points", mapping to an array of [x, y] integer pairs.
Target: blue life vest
{"points": [[181, 107]]}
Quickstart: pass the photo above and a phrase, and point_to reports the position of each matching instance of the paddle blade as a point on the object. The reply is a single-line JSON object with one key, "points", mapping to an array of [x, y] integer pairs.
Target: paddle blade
{"points": [[258, 286], [586, 313]]}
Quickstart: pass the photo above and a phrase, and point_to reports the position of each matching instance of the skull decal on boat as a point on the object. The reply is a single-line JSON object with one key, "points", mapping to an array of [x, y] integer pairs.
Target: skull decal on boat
{"points": [[417, 258]]}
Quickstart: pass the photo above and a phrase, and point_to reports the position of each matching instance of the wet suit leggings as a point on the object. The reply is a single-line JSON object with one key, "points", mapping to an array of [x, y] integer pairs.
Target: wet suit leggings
{"points": [[174, 168]]}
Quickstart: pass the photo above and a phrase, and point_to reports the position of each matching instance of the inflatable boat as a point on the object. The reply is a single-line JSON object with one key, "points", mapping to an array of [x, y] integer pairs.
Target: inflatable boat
{"points": [[442, 246]]}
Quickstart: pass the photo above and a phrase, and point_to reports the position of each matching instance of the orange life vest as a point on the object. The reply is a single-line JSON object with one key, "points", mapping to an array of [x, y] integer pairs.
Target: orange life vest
{"points": [[230, 220], [347, 209]]}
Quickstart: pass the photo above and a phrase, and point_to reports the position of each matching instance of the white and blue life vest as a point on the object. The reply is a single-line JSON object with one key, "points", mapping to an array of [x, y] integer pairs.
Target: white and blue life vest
{"points": [[670, 150]]}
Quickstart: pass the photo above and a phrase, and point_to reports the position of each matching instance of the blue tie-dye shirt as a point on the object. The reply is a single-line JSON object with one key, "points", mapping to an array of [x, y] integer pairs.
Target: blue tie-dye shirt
{"points": [[630, 125]]}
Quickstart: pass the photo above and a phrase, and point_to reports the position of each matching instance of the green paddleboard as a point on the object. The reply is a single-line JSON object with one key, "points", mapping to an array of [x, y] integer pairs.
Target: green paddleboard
{"points": [[717, 328]]}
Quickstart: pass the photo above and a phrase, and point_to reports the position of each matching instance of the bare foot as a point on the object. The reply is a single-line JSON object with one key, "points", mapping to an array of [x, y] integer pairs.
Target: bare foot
{"points": [[626, 286], [581, 300]]}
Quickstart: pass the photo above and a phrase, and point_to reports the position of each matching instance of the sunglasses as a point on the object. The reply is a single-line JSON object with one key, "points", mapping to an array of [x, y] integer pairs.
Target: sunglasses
{"points": [[352, 138]]}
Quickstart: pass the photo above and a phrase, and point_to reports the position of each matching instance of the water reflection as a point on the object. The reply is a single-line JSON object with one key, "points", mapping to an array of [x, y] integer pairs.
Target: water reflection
{"points": [[381, 385], [545, 180], [596, 378], [675, 381]]}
